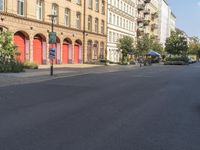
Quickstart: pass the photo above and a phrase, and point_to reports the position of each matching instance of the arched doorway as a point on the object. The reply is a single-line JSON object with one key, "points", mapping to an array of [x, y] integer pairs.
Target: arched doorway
{"points": [[39, 49], [102, 50], [67, 51], [21, 40], [78, 52], [96, 48], [89, 51]]}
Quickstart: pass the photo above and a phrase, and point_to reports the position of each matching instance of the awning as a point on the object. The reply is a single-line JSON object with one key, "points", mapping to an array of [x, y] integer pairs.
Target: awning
{"points": [[153, 53]]}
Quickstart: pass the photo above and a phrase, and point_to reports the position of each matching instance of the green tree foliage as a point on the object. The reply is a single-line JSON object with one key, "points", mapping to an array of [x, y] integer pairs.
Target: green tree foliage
{"points": [[176, 44], [8, 52], [126, 45], [143, 45], [194, 46], [147, 43]]}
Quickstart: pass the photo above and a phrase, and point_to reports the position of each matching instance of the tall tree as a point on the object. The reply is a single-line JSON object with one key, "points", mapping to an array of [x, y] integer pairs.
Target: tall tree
{"points": [[176, 44], [126, 45]]}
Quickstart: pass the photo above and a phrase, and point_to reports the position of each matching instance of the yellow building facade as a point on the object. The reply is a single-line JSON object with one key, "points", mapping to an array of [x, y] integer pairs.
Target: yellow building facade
{"points": [[80, 38]]}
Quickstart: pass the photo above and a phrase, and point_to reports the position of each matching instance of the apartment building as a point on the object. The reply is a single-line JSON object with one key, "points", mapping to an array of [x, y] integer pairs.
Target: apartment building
{"points": [[143, 18], [122, 21], [80, 28], [164, 21], [154, 16]]}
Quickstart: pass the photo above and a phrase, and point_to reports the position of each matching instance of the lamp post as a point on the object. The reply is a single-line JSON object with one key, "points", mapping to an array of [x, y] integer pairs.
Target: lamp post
{"points": [[52, 40]]}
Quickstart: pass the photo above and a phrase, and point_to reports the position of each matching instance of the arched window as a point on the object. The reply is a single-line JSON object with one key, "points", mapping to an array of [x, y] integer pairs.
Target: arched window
{"points": [[89, 50], [67, 17], [39, 9], [102, 50]]}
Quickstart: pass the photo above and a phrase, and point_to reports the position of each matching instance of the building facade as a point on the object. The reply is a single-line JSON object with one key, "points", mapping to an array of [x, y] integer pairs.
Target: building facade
{"points": [[164, 21], [29, 23], [122, 21]]}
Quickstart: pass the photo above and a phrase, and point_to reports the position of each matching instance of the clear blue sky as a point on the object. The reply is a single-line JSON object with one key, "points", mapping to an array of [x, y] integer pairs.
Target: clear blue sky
{"points": [[187, 14]]}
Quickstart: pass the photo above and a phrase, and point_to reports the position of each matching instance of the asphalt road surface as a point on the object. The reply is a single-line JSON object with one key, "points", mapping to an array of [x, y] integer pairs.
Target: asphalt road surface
{"points": [[152, 108]]}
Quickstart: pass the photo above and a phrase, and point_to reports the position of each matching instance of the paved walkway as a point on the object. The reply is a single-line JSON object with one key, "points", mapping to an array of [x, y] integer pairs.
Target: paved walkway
{"points": [[39, 75]]}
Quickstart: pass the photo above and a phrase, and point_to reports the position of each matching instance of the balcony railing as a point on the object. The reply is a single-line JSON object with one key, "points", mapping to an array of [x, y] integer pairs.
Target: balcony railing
{"points": [[147, 1], [146, 22], [147, 11], [154, 15], [141, 7], [154, 26], [140, 32], [140, 19]]}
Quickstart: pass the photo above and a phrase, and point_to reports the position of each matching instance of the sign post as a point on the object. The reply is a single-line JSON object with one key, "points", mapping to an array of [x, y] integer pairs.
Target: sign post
{"points": [[52, 41]]}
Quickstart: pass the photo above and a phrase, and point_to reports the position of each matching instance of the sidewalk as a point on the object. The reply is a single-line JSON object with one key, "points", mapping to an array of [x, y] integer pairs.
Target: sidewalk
{"points": [[39, 75]]}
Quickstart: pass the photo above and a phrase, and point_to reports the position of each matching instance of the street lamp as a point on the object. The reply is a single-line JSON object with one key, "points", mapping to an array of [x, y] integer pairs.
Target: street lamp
{"points": [[52, 40]]}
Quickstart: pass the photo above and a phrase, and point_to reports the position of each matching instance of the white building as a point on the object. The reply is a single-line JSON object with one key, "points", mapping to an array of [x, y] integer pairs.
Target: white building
{"points": [[164, 21], [172, 22], [122, 21]]}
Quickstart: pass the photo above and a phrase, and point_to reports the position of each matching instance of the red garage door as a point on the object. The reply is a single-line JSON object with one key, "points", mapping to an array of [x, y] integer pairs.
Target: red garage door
{"points": [[19, 40], [65, 53], [37, 50], [76, 54]]}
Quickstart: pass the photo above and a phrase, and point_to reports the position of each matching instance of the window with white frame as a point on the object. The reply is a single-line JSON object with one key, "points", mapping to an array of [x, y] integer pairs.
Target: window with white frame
{"points": [[20, 7], [103, 7], [1, 5], [102, 26], [96, 25], [78, 2], [90, 23], [78, 20], [97, 5], [67, 17], [39, 10], [54, 11], [90, 4]]}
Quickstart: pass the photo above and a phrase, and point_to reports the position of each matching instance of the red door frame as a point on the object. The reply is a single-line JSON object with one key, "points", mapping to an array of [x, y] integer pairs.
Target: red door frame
{"points": [[37, 50], [19, 40], [65, 53]]}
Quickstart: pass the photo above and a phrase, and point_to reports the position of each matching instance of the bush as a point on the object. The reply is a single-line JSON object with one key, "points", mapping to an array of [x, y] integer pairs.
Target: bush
{"points": [[180, 58], [30, 65], [12, 66], [175, 63]]}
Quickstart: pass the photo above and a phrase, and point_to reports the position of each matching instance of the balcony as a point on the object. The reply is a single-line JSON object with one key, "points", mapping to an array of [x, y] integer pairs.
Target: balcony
{"points": [[147, 1], [146, 11], [140, 32], [140, 20], [141, 7], [154, 26], [146, 22], [154, 15]]}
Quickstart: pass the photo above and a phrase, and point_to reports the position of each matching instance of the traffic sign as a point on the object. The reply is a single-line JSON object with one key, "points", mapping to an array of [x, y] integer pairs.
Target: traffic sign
{"points": [[52, 53], [52, 37]]}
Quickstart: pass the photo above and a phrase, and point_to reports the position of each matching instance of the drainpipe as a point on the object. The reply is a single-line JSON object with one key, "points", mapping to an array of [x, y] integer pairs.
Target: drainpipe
{"points": [[84, 17]]}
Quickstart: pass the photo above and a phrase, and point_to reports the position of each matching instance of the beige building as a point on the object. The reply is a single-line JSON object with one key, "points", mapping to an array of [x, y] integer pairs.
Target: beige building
{"points": [[154, 18], [80, 27], [148, 23]]}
